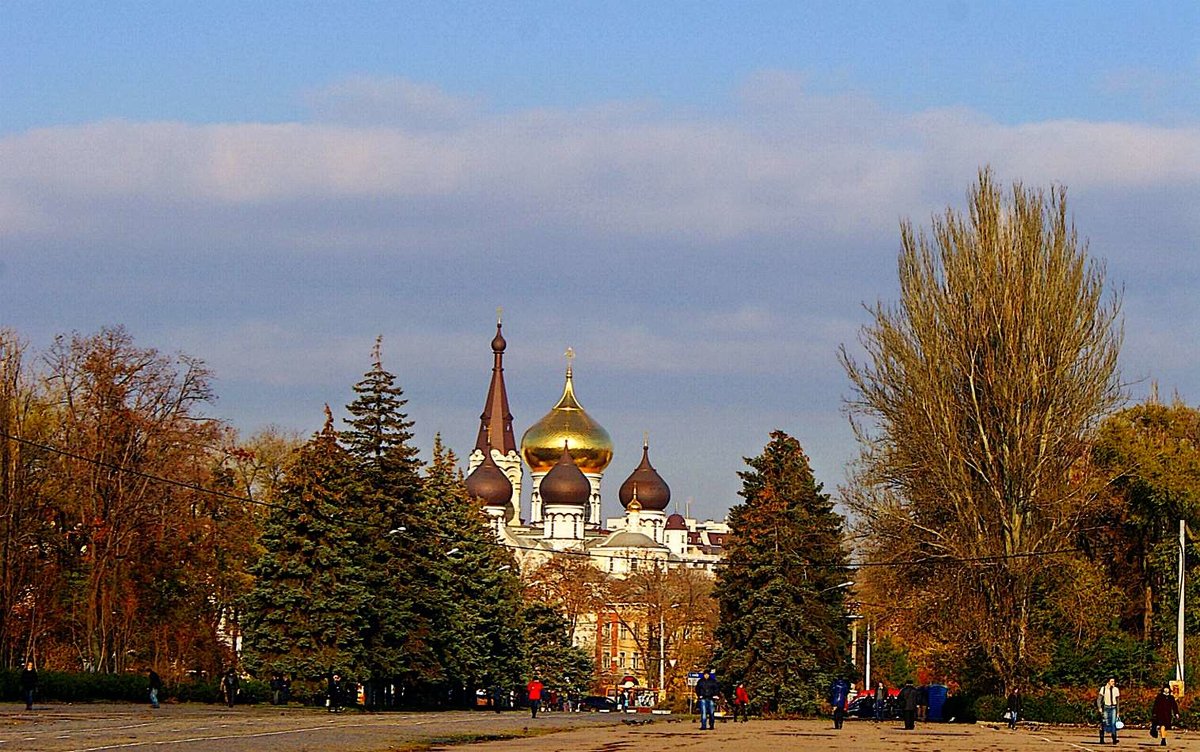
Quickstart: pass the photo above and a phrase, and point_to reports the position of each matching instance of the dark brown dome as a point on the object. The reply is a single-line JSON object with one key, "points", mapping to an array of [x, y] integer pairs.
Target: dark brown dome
{"points": [[653, 493], [675, 522], [498, 342], [489, 484], [565, 484]]}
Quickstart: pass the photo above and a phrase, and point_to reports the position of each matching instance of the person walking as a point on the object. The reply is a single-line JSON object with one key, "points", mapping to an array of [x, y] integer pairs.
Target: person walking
{"points": [[155, 687], [880, 701], [741, 703], [535, 689], [707, 690], [229, 686], [285, 685], [908, 704], [29, 682], [1163, 714], [334, 691], [1013, 708], [1108, 702], [839, 695]]}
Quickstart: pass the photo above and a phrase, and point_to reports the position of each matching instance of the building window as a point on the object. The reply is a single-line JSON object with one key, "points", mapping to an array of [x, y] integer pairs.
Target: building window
{"points": [[621, 659], [635, 661]]}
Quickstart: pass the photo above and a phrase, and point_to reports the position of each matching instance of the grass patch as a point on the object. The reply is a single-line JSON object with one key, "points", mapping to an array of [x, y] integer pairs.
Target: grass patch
{"points": [[458, 740]]}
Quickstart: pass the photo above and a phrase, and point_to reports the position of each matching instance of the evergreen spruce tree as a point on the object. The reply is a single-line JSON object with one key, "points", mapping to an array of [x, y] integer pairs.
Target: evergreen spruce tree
{"points": [[549, 654], [782, 627], [399, 634], [379, 434], [478, 591], [306, 613]]}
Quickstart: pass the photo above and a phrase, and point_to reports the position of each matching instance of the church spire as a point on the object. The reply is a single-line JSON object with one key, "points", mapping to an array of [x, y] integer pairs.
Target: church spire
{"points": [[496, 421]]}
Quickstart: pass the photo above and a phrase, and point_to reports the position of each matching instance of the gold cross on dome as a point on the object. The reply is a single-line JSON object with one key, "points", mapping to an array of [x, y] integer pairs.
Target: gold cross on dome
{"points": [[570, 353], [499, 314]]}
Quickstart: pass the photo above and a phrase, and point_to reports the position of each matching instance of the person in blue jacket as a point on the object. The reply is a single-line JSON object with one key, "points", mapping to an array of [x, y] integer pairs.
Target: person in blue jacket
{"points": [[839, 696]]}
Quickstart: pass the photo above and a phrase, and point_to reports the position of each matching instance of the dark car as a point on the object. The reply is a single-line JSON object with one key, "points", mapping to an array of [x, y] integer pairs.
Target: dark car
{"points": [[863, 706], [598, 704]]}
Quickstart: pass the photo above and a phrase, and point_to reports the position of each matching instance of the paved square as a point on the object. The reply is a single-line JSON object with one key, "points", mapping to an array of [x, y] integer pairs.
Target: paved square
{"points": [[201, 728]]}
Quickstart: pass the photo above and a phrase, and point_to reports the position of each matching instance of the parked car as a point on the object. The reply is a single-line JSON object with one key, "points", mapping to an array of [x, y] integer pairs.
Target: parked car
{"points": [[863, 706], [598, 704]]}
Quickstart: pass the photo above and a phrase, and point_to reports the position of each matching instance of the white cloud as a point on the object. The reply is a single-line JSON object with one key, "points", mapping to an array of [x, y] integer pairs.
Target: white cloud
{"points": [[702, 258], [838, 169], [391, 101]]}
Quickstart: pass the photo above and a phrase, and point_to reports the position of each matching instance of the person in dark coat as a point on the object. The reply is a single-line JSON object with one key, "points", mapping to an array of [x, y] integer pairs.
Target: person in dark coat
{"points": [[29, 681], [229, 686], [707, 690], [1163, 714], [1013, 708], [880, 701], [908, 704], [155, 686], [335, 693], [839, 696]]}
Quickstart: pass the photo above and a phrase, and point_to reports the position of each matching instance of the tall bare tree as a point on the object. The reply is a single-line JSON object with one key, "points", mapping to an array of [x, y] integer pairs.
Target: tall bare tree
{"points": [[128, 416], [28, 569], [972, 402]]}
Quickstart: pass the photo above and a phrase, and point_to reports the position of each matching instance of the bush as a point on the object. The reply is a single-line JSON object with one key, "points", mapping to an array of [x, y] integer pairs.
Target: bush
{"points": [[62, 686], [1077, 705], [961, 708]]}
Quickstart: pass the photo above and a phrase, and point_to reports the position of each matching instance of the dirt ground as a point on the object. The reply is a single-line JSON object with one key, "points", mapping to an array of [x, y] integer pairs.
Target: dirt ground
{"points": [[803, 736], [196, 728]]}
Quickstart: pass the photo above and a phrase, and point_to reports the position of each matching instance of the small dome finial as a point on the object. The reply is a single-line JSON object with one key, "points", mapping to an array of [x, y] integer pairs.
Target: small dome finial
{"points": [[570, 356], [499, 315]]}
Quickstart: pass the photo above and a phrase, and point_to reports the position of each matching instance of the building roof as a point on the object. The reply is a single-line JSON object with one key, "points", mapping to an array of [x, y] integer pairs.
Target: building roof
{"points": [[653, 493], [489, 484], [495, 422], [567, 421], [565, 484], [630, 539]]}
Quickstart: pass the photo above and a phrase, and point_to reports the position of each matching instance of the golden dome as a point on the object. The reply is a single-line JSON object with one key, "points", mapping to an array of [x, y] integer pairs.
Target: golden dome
{"points": [[590, 445]]}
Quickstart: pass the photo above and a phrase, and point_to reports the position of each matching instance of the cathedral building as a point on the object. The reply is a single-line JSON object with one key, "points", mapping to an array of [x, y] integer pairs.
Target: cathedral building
{"points": [[567, 453]]}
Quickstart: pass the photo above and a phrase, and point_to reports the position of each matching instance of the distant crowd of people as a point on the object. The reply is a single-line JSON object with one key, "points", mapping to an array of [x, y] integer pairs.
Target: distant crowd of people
{"points": [[909, 703]]}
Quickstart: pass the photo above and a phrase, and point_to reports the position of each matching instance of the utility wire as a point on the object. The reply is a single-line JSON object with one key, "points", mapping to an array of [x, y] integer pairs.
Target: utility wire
{"points": [[137, 473]]}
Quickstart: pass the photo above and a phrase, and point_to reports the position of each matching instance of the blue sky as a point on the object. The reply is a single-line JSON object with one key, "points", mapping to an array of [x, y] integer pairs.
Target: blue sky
{"points": [[235, 61], [698, 197]]}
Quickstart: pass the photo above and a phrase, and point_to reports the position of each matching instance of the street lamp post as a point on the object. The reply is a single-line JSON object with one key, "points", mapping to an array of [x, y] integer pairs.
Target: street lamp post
{"points": [[662, 650]]}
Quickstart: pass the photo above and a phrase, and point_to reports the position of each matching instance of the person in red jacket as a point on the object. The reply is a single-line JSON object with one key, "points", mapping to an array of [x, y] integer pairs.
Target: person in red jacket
{"points": [[534, 688], [741, 703]]}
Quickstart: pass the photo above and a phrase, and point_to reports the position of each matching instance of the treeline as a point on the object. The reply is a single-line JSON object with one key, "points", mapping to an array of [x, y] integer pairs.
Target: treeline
{"points": [[135, 531], [102, 566]]}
